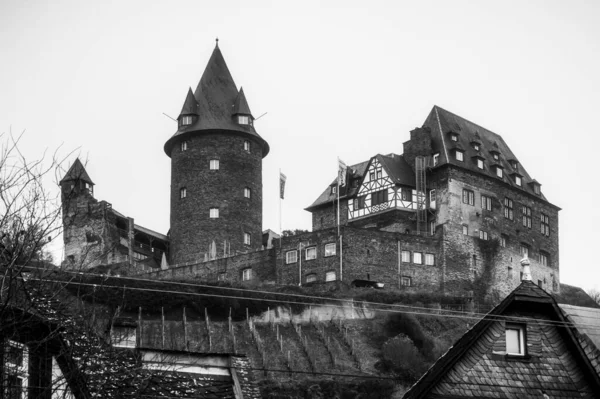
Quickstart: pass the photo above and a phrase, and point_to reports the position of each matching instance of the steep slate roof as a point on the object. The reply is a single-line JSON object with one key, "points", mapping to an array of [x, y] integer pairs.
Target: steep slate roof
{"points": [[241, 105], [216, 96], [468, 370], [442, 122], [190, 105], [395, 166], [76, 172]]}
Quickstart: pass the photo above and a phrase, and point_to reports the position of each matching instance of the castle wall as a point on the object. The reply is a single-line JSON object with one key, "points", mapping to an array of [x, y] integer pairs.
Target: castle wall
{"points": [[192, 228], [325, 217], [229, 269]]}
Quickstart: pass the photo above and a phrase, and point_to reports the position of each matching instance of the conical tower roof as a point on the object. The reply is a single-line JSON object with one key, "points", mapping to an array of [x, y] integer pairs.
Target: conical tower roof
{"points": [[216, 96], [190, 106], [241, 105], [76, 172]]}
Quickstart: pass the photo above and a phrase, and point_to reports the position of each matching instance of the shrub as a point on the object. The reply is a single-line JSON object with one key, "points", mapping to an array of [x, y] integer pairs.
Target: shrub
{"points": [[402, 356]]}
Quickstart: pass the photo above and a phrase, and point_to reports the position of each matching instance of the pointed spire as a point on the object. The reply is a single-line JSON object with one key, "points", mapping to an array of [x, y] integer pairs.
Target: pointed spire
{"points": [[241, 105], [216, 85], [190, 106], [77, 172]]}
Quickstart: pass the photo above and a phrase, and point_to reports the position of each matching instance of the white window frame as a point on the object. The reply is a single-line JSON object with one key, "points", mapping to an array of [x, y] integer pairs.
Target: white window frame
{"points": [[518, 181], [330, 249], [503, 240], [459, 155], [480, 163], [247, 192], [214, 164], [405, 256], [486, 202], [499, 172], [291, 257], [186, 120], [214, 213], [436, 159], [418, 258], [544, 258], [182, 193], [310, 253], [184, 145], [247, 145], [330, 276], [247, 239], [516, 331], [476, 146], [429, 259], [311, 278], [454, 137], [247, 274], [406, 281], [243, 120], [465, 229], [483, 235]]}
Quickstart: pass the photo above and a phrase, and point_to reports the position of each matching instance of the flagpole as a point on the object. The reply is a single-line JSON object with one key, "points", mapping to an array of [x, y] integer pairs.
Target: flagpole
{"points": [[279, 178]]}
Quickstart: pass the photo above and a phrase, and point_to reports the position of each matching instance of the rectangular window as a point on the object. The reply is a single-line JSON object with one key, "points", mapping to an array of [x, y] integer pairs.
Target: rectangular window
{"points": [[544, 224], [247, 192], [243, 120], [503, 241], [480, 163], [379, 173], [16, 368], [214, 164], [417, 258], [330, 249], [311, 253], [465, 229], [406, 256], [524, 249], [406, 281], [518, 181], [359, 202], [371, 176], [379, 197], [291, 257], [247, 238], [330, 276], [184, 145], [214, 213], [182, 192], [526, 216], [431, 228], [499, 171], [247, 274], [246, 145], [222, 276], [186, 120], [460, 156], [436, 159], [468, 197], [508, 209], [483, 235], [515, 340], [544, 258], [311, 278], [429, 259], [432, 196], [486, 203], [406, 194], [454, 137], [333, 189]]}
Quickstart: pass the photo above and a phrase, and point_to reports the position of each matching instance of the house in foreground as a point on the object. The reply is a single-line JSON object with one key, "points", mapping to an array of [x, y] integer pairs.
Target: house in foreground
{"points": [[528, 346]]}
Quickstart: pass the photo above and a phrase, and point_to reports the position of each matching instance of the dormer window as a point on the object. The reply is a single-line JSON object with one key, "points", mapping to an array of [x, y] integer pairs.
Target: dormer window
{"points": [[333, 189], [476, 145], [536, 189], [186, 120], [514, 164], [460, 155], [436, 159], [453, 136], [518, 181], [496, 155], [499, 172], [244, 120]]}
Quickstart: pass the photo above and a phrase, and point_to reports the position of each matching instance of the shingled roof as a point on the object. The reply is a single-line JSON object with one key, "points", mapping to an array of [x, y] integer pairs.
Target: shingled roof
{"points": [[556, 363], [395, 166], [443, 124], [216, 96], [76, 172]]}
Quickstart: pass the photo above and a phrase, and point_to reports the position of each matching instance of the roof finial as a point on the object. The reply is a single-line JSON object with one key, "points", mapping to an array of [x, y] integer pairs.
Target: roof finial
{"points": [[217, 40]]}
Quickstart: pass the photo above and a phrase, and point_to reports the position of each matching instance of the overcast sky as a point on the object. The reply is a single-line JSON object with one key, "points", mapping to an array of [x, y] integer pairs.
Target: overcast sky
{"points": [[337, 78]]}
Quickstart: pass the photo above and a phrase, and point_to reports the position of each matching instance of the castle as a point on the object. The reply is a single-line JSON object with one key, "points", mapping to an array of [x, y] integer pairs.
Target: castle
{"points": [[454, 213]]}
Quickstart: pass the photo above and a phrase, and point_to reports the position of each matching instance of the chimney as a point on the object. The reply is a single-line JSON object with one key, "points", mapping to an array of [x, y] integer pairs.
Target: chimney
{"points": [[526, 270]]}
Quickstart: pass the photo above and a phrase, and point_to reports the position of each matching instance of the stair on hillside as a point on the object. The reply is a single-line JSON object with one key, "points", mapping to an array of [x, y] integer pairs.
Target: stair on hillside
{"points": [[245, 345], [316, 348], [274, 358], [341, 351]]}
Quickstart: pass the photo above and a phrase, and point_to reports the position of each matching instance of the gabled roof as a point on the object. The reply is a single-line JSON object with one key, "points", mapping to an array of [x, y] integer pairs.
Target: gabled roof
{"points": [[469, 367], [442, 123], [216, 96], [587, 320], [398, 170], [76, 172], [190, 105], [241, 105]]}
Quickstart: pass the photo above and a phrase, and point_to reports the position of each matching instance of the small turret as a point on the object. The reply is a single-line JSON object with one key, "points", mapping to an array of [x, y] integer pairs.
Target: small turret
{"points": [[76, 181], [189, 112], [241, 110]]}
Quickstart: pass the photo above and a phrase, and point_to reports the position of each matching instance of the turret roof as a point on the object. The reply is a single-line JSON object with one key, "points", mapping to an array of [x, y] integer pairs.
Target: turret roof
{"points": [[241, 105], [216, 96], [190, 106], [76, 172]]}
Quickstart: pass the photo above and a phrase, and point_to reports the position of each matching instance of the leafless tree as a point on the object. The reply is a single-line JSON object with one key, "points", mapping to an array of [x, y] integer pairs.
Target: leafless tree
{"points": [[595, 295]]}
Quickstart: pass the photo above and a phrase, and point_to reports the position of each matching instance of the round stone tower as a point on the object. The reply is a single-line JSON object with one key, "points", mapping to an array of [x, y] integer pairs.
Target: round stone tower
{"points": [[216, 171]]}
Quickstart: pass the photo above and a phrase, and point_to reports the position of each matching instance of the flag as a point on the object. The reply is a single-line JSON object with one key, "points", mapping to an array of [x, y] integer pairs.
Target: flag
{"points": [[342, 169], [282, 179]]}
